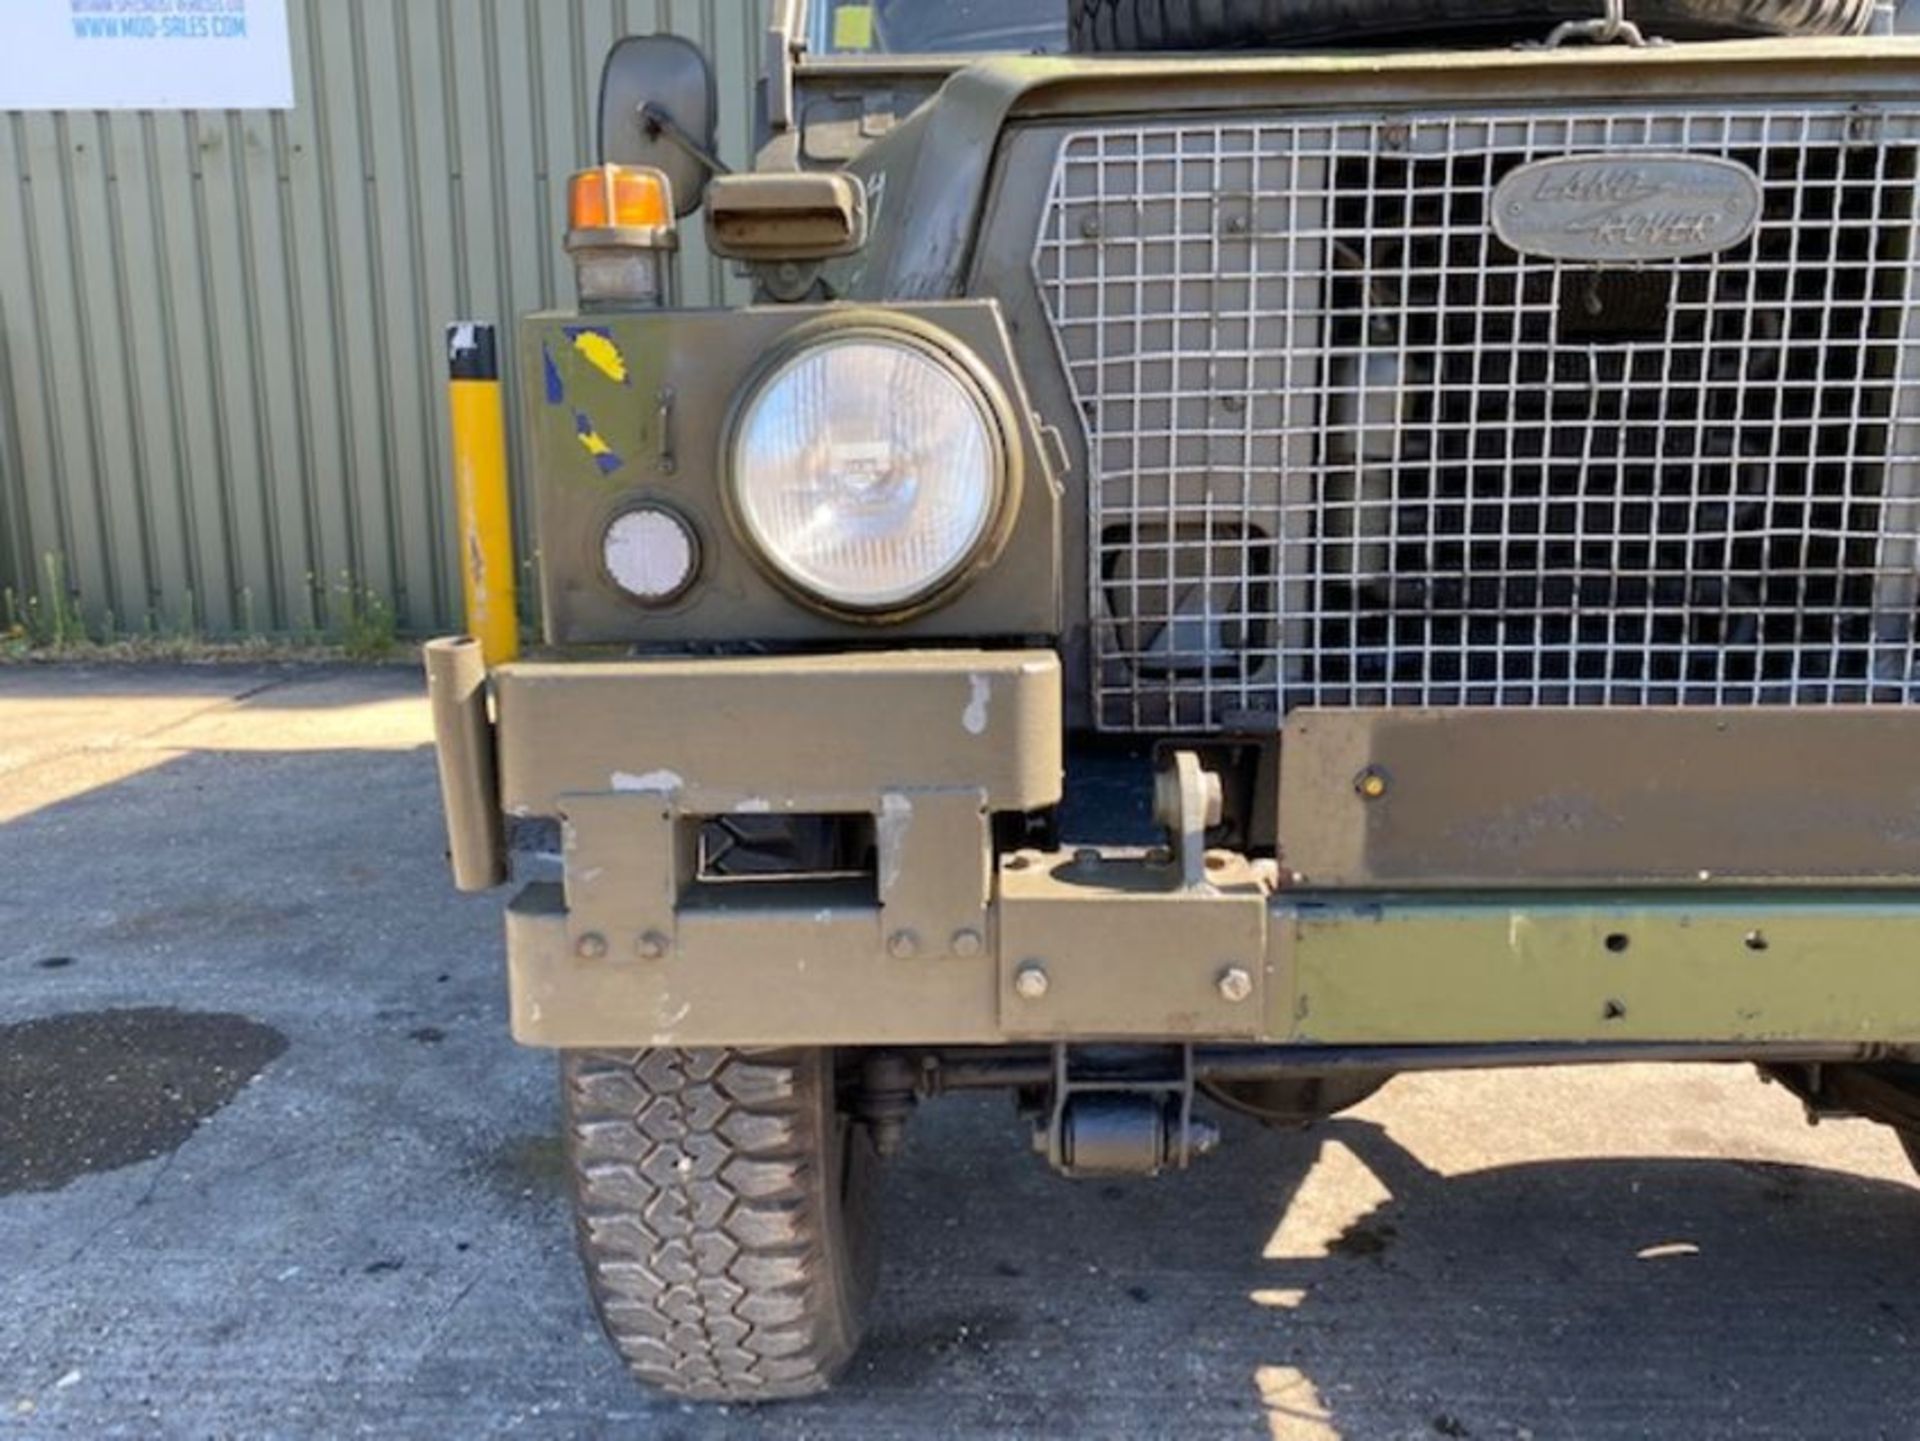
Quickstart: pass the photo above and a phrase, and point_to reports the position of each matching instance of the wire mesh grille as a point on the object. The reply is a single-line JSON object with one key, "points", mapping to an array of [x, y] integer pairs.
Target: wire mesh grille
{"points": [[1350, 449]]}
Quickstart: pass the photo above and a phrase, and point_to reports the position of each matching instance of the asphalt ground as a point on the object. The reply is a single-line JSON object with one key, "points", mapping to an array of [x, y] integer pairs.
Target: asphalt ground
{"points": [[269, 1166]]}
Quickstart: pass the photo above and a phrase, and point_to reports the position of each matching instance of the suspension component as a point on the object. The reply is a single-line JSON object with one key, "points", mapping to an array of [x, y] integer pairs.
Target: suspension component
{"points": [[886, 1099], [1122, 1111]]}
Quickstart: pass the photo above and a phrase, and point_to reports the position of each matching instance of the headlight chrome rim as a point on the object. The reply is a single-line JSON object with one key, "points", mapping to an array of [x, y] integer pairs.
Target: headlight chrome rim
{"points": [[986, 397]]}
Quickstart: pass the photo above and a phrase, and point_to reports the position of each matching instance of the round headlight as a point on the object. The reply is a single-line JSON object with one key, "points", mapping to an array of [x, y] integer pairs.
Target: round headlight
{"points": [[650, 554], [867, 471]]}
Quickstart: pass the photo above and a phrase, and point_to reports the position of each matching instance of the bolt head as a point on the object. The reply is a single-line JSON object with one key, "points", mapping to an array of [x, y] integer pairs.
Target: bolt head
{"points": [[903, 945], [1030, 982], [654, 946], [591, 947], [1235, 985], [968, 943]]}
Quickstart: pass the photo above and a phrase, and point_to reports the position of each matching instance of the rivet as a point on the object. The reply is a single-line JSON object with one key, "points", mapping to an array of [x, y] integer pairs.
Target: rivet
{"points": [[653, 946], [968, 943], [1371, 784], [1030, 982], [1090, 226], [1235, 985], [903, 945], [591, 947]]}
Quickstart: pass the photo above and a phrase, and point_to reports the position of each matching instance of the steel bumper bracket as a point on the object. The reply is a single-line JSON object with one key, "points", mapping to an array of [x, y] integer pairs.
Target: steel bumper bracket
{"points": [[1111, 945]]}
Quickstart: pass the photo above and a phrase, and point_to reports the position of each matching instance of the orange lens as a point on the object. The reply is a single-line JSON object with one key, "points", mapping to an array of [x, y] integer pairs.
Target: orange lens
{"points": [[618, 197]]}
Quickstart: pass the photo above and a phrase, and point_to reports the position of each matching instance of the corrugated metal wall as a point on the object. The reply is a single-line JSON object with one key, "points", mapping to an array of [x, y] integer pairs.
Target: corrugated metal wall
{"points": [[220, 333]]}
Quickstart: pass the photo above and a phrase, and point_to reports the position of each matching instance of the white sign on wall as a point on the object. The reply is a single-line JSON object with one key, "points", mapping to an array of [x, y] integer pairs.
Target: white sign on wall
{"points": [[145, 55]]}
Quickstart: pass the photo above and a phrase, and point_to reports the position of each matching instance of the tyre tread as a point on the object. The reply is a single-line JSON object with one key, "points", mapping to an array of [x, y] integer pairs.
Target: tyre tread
{"points": [[703, 1218]]}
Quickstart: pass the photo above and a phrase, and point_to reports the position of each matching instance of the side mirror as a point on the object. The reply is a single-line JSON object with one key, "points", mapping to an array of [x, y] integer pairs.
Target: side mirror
{"points": [[659, 107]]}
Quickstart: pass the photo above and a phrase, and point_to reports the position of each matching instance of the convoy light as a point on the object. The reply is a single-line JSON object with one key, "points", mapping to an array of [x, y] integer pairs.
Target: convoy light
{"points": [[621, 235], [650, 553], [868, 471], [619, 197]]}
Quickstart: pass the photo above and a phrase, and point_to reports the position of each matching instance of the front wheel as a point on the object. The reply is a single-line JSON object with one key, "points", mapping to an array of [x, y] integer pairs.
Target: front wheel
{"points": [[721, 1201]]}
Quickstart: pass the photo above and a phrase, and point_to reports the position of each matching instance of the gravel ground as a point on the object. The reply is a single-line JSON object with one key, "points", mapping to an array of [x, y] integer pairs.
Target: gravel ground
{"points": [[269, 1166]]}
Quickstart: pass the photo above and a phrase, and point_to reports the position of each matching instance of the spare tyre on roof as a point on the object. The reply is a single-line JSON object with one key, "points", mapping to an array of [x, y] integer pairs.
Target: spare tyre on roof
{"points": [[1121, 26]]}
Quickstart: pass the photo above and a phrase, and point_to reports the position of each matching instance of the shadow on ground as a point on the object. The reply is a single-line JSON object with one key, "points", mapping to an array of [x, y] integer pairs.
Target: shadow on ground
{"points": [[1577, 1298]]}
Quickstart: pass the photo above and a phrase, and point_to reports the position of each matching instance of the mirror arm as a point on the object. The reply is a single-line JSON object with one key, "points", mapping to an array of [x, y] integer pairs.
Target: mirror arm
{"points": [[659, 125]]}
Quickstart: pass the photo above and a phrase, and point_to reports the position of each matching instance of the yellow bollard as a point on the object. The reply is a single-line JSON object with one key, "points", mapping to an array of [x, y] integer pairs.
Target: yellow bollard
{"points": [[481, 497]]}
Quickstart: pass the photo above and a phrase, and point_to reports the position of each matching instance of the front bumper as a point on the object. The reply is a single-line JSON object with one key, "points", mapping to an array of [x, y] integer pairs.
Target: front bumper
{"points": [[1459, 877]]}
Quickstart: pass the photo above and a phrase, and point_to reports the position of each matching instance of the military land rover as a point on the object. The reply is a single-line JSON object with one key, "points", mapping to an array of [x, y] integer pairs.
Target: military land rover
{"points": [[1242, 547]]}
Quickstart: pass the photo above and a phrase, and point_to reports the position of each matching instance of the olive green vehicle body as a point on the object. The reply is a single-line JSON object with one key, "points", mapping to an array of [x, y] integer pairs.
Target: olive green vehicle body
{"points": [[1740, 877]]}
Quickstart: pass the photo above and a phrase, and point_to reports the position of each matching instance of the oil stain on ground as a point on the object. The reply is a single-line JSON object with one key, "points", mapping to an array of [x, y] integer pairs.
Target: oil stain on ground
{"points": [[98, 1090]]}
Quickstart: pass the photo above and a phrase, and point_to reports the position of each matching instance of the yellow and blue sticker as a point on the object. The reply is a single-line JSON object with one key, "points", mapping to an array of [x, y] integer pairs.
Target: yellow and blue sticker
{"points": [[595, 445], [598, 348]]}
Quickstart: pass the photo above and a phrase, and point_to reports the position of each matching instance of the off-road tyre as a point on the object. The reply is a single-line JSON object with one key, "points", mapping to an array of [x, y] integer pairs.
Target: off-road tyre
{"points": [[721, 1208], [1097, 26]]}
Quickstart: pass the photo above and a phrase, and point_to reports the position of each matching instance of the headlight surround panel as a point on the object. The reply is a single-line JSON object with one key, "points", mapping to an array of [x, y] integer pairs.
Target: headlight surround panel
{"points": [[645, 409]]}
